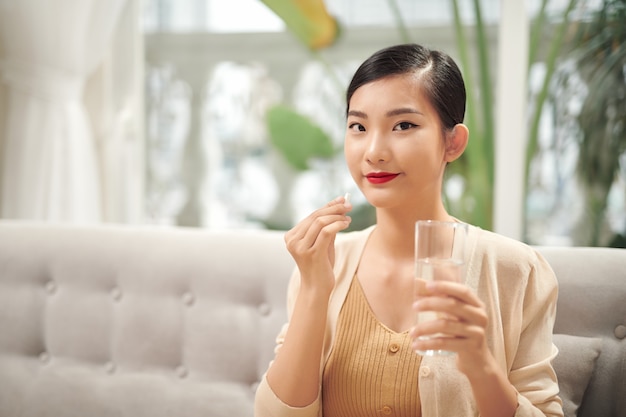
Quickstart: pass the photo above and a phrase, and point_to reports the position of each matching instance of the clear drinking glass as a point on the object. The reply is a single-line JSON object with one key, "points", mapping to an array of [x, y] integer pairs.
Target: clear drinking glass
{"points": [[440, 248]]}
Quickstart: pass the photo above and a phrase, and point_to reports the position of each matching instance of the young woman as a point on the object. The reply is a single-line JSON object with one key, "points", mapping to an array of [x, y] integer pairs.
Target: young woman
{"points": [[349, 346]]}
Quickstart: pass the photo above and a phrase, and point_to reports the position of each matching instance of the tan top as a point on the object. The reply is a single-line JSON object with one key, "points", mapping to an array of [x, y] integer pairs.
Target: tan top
{"points": [[372, 371], [519, 290]]}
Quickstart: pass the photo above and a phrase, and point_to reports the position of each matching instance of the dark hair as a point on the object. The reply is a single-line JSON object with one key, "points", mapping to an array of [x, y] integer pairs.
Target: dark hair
{"points": [[441, 78]]}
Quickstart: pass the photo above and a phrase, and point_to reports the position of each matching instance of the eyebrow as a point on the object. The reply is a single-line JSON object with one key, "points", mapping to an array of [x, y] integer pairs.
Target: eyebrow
{"points": [[390, 113], [357, 113], [403, 110]]}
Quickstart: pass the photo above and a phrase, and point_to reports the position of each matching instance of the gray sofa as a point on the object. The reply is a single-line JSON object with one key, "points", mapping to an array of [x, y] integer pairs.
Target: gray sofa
{"points": [[105, 321]]}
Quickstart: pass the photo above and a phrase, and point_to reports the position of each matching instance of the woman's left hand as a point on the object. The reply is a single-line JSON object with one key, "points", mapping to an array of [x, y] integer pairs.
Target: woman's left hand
{"points": [[462, 318]]}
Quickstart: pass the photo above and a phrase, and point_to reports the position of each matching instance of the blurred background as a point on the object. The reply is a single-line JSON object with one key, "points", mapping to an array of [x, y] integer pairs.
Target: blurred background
{"points": [[231, 114]]}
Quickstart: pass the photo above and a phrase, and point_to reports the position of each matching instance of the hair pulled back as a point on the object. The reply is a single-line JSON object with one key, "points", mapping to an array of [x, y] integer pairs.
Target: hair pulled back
{"points": [[440, 77]]}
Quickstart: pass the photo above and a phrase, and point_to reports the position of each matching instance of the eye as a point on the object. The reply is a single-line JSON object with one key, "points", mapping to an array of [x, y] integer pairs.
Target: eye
{"points": [[404, 126], [357, 127]]}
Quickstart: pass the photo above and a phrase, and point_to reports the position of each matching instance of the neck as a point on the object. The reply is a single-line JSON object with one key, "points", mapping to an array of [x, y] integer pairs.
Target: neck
{"points": [[395, 229]]}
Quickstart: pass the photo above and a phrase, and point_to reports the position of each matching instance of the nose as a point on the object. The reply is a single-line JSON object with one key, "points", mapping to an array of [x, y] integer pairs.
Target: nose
{"points": [[377, 150]]}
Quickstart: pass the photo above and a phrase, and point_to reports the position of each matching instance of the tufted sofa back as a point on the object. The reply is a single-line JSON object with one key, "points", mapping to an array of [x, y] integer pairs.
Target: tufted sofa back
{"points": [[121, 321]]}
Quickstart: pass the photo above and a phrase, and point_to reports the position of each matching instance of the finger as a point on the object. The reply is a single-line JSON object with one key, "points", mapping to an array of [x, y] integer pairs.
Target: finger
{"points": [[453, 309], [304, 226], [461, 339], [448, 326], [425, 335], [448, 344], [453, 289], [453, 337], [324, 229], [344, 200], [336, 206], [320, 231]]}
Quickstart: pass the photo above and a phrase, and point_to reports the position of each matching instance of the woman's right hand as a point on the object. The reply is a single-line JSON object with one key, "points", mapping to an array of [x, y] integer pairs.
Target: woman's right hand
{"points": [[311, 243], [294, 375]]}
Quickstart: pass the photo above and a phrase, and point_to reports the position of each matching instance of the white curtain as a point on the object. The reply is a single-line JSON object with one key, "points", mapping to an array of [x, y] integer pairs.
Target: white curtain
{"points": [[114, 97], [51, 169]]}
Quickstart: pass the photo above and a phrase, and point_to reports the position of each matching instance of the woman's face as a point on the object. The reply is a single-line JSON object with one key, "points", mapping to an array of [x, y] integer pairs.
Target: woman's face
{"points": [[394, 145]]}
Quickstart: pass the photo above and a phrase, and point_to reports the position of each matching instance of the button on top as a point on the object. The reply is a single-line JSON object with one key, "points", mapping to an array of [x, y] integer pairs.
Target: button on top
{"points": [[51, 287], [109, 368], [264, 309], [386, 410], [188, 299], [424, 371], [182, 372], [620, 331], [394, 347], [116, 293]]}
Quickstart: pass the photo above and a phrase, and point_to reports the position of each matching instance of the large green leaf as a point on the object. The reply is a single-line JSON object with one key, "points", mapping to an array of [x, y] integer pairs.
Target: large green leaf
{"points": [[308, 20], [296, 137]]}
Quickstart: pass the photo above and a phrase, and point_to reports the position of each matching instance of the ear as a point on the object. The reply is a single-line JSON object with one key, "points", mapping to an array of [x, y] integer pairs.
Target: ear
{"points": [[456, 141]]}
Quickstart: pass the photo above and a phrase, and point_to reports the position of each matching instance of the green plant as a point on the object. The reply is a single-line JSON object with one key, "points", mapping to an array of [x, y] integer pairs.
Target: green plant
{"points": [[543, 27], [599, 48], [476, 165], [594, 43]]}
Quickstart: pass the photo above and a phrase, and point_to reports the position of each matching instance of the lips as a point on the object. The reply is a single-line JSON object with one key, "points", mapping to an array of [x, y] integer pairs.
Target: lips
{"points": [[380, 177]]}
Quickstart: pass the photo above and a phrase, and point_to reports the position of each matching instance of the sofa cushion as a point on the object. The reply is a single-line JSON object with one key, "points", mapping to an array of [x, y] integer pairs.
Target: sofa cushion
{"points": [[574, 365]]}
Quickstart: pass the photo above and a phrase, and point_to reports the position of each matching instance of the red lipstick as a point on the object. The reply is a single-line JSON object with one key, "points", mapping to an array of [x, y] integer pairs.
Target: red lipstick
{"points": [[380, 177]]}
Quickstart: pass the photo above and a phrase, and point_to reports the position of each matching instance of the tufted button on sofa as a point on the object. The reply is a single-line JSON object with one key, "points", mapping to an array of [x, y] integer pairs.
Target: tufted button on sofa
{"points": [[120, 321]]}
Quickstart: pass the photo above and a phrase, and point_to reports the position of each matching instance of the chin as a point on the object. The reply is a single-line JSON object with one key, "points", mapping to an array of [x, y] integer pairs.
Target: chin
{"points": [[381, 198]]}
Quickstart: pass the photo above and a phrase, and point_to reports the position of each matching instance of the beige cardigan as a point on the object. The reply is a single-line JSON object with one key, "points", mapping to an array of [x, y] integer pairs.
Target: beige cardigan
{"points": [[519, 290]]}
